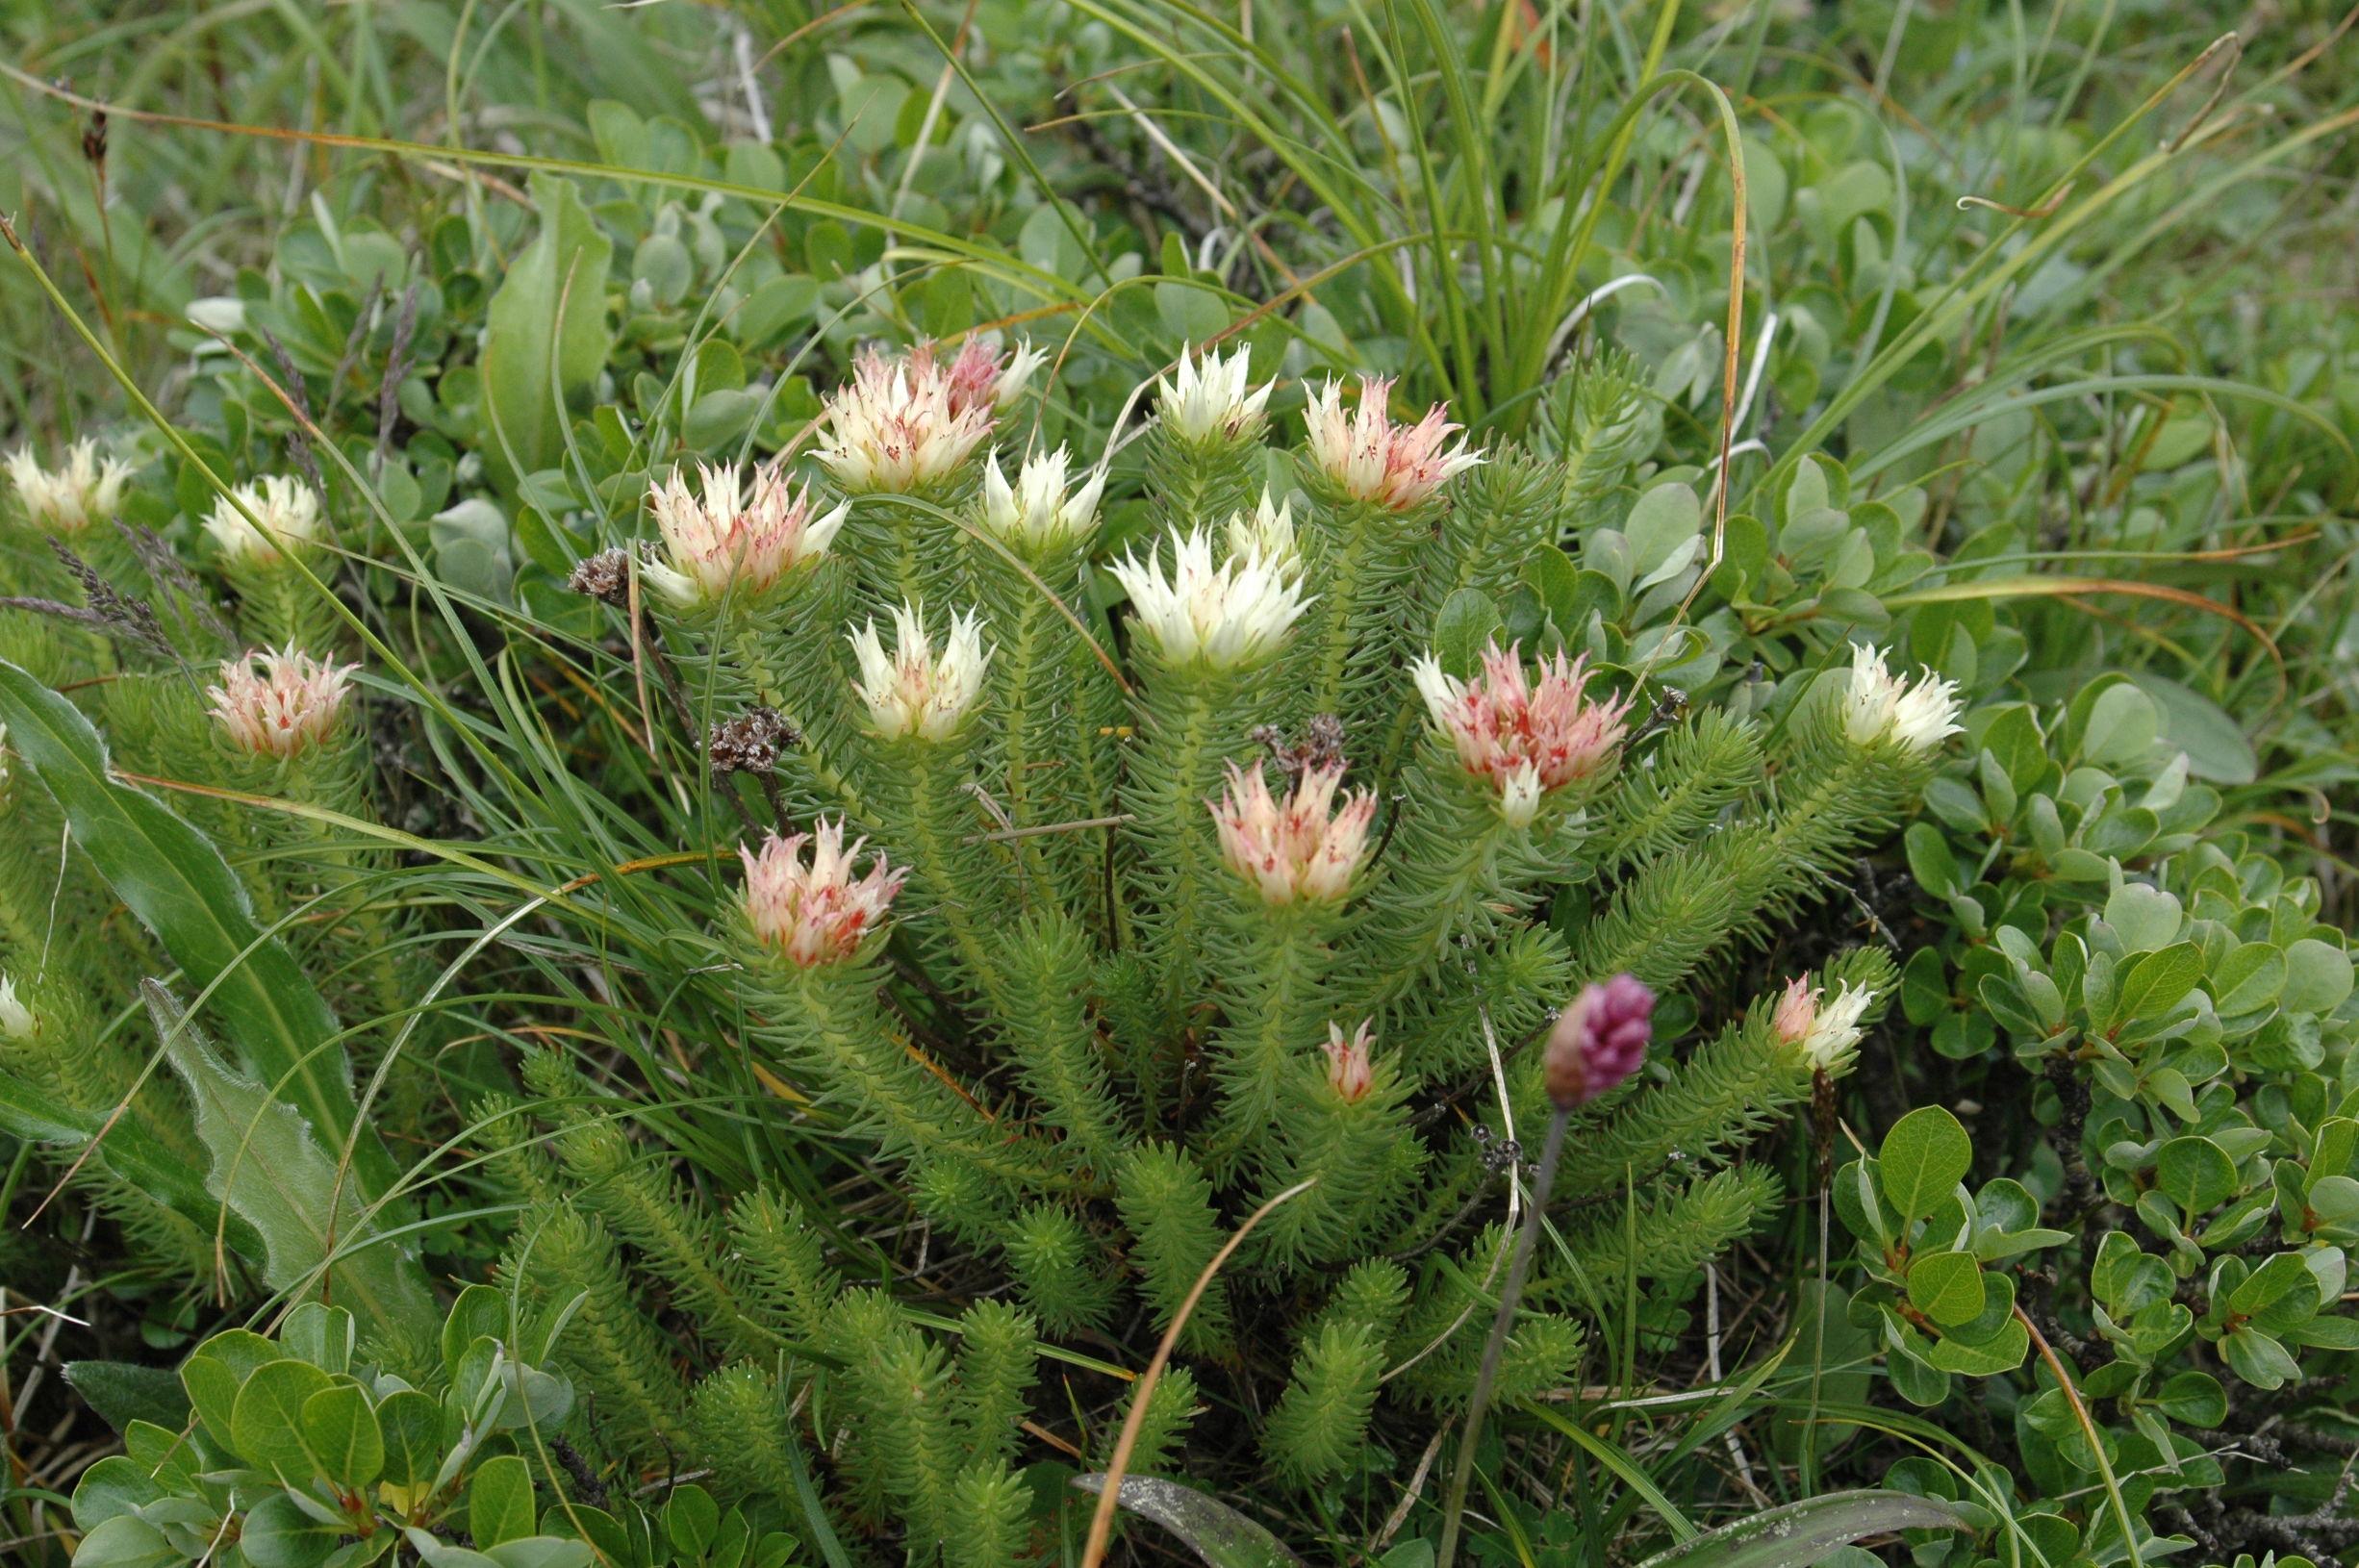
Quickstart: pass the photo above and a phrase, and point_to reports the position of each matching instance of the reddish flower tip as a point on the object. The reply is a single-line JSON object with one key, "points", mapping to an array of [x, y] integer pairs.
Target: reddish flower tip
{"points": [[1600, 1039]]}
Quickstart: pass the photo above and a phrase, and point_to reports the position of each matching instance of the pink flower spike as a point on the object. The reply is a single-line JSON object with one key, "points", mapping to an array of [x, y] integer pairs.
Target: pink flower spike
{"points": [[290, 707], [1528, 737], [1373, 459], [1599, 1040], [1351, 1065], [817, 912], [1292, 850]]}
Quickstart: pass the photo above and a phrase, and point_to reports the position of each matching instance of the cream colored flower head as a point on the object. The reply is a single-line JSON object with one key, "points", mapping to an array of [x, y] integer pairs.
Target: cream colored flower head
{"points": [[85, 489], [289, 708], [907, 424], [1878, 705], [287, 509], [914, 691], [1221, 616], [1036, 511], [1292, 850], [719, 541], [1370, 458], [1527, 736], [1211, 395], [816, 911]]}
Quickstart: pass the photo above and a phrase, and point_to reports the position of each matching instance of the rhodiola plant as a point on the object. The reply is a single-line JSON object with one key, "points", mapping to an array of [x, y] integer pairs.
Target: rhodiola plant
{"points": [[1102, 897]]}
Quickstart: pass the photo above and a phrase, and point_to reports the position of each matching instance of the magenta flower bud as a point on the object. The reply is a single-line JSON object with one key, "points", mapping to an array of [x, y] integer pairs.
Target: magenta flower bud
{"points": [[1600, 1039]]}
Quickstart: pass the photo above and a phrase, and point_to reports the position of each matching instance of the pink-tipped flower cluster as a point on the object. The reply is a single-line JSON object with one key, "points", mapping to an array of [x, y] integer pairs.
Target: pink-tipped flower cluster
{"points": [[725, 540], [905, 423], [816, 911], [1824, 1036], [1350, 1063], [1292, 850], [289, 708], [1527, 735], [1599, 1040], [1372, 459]]}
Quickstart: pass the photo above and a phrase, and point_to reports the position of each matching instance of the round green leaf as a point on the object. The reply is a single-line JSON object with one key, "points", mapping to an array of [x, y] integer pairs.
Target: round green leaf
{"points": [[266, 1426], [1924, 1157], [341, 1425], [1946, 1287], [2195, 1174]]}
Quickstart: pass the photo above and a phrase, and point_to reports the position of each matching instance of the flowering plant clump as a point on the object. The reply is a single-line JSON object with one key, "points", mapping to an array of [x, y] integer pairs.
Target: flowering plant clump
{"points": [[1218, 615], [908, 423], [1292, 849], [914, 691]]}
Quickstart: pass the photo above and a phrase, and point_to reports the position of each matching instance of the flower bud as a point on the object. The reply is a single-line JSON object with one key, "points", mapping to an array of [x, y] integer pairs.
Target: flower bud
{"points": [[286, 509], [87, 490], [1370, 458], [290, 707], [1351, 1066], [1266, 532], [818, 912], [1599, 1039]]}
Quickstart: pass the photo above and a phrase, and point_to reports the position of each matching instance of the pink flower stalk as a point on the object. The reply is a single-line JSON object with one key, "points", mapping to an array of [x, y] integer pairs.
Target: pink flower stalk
{"points": [[1291, 851], [1599, 1039], [1351, 1066], [725, 540], [1375, 460], [290, 707], [903, 425], [817, 912], [1527, 737]]}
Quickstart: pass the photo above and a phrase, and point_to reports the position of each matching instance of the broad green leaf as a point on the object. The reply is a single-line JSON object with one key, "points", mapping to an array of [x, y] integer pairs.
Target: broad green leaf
{"points": [[2319, 976], [267, 1424], [267, 1167], [2247, 979], [2195, 1174], [175, 881], [410, 1424], [123, 1391], [1462, 628], [114, 1485], [1801, 1534], [1946, 1287], [216, 1370], [2002, 1351], [2144, 918], [2156, 982], [1924, 1157], [341, 1427], [2192, 1399], [1213, 1531], [546, 338], [276, 1533], [2258, 1359], [128, 1541], [499, 1501]]}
